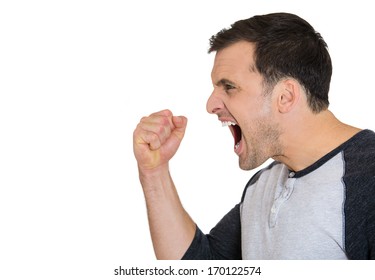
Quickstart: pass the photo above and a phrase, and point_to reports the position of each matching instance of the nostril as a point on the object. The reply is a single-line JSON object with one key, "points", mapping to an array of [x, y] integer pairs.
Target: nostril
{"points": [[210, 109], [214, 104]]}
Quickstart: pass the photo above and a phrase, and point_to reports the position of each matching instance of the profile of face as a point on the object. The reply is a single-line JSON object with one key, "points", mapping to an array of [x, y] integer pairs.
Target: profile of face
{"points": [[241, 102]]}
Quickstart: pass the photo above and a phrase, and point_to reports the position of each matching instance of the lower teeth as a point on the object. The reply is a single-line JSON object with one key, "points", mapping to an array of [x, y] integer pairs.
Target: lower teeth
{"points": [[237, 145]]}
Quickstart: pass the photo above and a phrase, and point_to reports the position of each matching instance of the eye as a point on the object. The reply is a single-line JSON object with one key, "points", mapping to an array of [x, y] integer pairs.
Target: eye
{"points": [[228, 87]]}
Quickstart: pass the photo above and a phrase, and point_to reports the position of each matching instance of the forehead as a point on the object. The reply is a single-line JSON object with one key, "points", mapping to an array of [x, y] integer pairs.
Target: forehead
{"points": [[233, 60]]}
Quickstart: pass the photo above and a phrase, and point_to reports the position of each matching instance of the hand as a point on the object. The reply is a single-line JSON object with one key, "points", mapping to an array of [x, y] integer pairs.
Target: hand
{"points": [[156, 139]]}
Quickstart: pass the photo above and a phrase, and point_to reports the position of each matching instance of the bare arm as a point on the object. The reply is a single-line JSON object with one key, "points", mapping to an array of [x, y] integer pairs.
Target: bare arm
{"points": [[156, 139]]}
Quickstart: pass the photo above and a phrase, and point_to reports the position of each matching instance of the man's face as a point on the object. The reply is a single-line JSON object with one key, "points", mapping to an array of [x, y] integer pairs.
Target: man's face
{"points": [[239, 101]]}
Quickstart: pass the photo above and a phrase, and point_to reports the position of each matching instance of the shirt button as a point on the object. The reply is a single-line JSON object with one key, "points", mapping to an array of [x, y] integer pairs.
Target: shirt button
{"points": [[291, 174]]}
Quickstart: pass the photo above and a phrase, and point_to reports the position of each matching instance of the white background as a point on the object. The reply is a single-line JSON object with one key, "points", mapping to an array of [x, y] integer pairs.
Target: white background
{"points": [[75, 78]]}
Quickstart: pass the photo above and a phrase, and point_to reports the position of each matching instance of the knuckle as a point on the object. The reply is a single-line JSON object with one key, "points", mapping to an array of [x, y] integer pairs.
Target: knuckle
{"points": [[136, 130], [160, 130], [167, 112], [165, 122], [143, 119]]}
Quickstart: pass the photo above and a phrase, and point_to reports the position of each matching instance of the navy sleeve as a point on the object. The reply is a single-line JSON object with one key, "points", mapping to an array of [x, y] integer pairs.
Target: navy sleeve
{"points": [[371, 235], [359, 208], [222, 243]]}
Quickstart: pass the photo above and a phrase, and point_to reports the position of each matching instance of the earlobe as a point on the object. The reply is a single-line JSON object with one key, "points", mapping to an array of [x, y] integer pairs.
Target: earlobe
{"points": [[288, 97]]}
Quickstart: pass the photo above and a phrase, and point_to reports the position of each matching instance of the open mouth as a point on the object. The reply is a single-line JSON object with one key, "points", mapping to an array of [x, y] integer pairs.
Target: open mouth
{"points": [[236, 132]]}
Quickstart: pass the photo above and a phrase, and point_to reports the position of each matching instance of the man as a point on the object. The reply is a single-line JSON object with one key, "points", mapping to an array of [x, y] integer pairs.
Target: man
{"points": [[271, 78]]}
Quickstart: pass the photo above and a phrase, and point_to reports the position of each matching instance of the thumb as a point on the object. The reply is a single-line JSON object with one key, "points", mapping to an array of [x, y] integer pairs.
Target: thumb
{"points": [[180, 123]]}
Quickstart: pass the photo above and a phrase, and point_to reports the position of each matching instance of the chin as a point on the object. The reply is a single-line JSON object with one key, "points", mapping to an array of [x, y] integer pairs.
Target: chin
{"points": [[247, 166], [250, 164]]}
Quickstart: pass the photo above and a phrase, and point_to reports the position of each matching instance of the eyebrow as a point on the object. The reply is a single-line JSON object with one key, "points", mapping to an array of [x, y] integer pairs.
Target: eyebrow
{"points": [[224, 82]]}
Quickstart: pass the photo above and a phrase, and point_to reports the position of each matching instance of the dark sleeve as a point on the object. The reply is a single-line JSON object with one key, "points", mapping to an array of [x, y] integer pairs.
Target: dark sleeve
{"points": [[359, 206], [371, 234], [222, 243]]}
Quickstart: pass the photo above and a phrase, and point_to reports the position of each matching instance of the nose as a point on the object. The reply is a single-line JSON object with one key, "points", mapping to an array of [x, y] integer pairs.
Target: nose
{"points": [[214, 103]]}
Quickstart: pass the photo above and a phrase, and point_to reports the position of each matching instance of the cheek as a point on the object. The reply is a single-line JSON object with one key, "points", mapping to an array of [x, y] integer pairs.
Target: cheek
{"points": [[251, 113], [255, 124]]}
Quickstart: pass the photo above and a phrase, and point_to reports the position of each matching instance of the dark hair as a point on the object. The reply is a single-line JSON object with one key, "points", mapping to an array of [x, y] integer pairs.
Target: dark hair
{"points": [[285, 46]]}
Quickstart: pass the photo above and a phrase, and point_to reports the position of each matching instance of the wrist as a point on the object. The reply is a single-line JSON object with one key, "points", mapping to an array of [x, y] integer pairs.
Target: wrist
{"points": [[154, 178]]}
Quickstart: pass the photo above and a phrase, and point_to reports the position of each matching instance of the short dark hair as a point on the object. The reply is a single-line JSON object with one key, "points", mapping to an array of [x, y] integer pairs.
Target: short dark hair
{"points": [[285, 46]]}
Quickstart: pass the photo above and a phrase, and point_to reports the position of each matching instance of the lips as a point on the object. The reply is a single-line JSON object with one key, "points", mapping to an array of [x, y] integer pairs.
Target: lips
{"points": [[236, 132]]}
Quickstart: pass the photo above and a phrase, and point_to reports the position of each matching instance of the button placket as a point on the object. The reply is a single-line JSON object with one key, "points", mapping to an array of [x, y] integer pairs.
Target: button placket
{"points": [[284, 196]]}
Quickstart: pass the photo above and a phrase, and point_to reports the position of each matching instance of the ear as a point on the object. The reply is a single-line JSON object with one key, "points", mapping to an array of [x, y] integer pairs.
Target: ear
{"points": [[289, 93]]}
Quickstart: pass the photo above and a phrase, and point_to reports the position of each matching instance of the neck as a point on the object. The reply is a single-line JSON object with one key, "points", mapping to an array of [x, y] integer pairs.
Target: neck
{"points": [[311, 137]]}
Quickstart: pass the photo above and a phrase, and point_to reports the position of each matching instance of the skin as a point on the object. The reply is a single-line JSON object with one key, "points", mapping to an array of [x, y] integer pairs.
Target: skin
{"points": [[155, 141], [277, 125], [239, 96]]}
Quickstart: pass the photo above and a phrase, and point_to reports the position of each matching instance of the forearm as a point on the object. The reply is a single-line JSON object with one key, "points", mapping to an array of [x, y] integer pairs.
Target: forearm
{"points": [[172, 229]]}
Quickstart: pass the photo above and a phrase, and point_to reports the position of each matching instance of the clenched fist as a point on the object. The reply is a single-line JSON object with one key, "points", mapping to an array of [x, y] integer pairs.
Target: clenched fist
{"points": [[157, 138]]}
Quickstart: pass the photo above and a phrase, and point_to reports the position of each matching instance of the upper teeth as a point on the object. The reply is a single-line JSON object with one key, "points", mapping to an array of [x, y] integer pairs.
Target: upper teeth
{"points": [[227, 123]]}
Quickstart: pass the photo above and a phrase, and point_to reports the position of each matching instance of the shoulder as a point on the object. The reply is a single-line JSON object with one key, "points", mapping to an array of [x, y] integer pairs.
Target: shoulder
{"points": [[363, 141], [359, 155]]}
